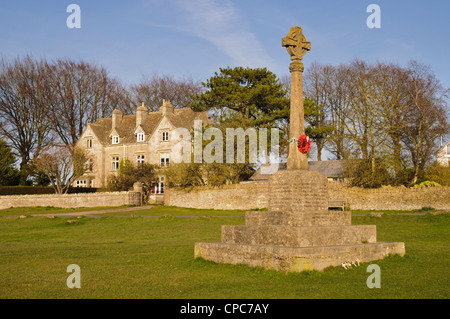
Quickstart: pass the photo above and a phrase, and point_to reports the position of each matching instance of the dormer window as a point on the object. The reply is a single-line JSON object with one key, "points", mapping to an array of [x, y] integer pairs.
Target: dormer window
{"points": [[140, 137], [115, 139]]}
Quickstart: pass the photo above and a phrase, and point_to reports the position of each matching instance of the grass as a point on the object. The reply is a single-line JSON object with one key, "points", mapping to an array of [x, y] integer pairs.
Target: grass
{"points": [[178, 212], [51, 210], [153, 258], [425, 209], [153, 210]]}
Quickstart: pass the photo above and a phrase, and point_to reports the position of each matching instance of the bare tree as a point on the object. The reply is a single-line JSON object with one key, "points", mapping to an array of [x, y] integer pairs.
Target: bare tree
{"points": [[390, 81], [152, 90], [25, 94], [62, 165], [363, 121], [82, 93], [427, 115]]}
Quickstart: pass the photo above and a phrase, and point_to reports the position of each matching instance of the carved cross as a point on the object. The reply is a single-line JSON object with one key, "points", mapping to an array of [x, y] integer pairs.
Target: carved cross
{"points": [[295, 43]]}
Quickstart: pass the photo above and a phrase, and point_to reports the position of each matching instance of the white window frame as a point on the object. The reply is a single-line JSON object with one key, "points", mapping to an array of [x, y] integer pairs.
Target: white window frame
{"points": [[165, 136], [81, 183], [89, 143], [164, 159], [159, 187], [140, 137], [115, 163], [115, 139], [89, 165], [140, 159]]}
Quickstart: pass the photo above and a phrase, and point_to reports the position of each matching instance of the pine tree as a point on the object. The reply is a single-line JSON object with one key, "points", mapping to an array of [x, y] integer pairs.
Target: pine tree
{"points": [[9, 174]]}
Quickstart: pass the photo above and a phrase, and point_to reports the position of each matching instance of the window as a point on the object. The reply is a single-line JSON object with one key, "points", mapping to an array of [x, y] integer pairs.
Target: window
{"points": [[89, 143], [80, 184], [115, 140], [140, 137], [115, 163], [165, 136], [159, 187], [164, 159], [140, 159], [88, 166]]}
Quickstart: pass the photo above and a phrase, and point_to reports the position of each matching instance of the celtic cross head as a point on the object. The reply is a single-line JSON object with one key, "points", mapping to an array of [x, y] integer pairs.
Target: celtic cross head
{"points": [[295, 43]]}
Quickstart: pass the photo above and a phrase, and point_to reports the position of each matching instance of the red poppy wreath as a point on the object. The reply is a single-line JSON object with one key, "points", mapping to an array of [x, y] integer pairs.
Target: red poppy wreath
{"points": [[304, 144]]}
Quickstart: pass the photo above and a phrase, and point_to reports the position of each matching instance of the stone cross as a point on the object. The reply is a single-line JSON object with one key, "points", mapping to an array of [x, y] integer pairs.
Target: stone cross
{"points": [[297, 46]]}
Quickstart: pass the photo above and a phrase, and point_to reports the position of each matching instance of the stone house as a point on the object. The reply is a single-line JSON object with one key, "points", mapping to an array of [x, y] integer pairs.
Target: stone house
{"points": [[443, 155], [144, 137]]}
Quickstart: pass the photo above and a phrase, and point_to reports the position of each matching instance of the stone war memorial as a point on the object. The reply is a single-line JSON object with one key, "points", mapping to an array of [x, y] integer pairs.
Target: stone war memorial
{"points": [[297, 232]]}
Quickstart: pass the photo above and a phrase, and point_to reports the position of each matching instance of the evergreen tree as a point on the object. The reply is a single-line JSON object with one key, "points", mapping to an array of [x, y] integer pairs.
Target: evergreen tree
{"points": [[256, 95], [9, 174]]}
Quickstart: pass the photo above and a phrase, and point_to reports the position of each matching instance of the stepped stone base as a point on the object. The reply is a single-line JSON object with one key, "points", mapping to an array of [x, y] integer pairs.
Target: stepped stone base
{"points": [[295, 259], [299, 236], [318, 218], [298, 232]]}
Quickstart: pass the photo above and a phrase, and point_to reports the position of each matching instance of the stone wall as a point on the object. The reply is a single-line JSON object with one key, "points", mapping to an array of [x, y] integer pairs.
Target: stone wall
{"points": [[387, 198], [253, 195], [245, 196], [72, 200]]}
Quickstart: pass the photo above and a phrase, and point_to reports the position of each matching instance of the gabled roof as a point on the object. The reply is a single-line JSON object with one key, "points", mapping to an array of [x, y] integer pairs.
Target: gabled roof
{"points": [[126, 129], [442, 147]]}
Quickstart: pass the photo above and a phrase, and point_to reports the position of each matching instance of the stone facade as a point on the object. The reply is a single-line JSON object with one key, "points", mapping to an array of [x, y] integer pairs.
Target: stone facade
{"points": [[255, 195], [144, 137], [72, 200]]}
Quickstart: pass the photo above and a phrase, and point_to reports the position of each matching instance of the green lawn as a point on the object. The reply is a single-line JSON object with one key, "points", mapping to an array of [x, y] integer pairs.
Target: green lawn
{"points": [[153, 258], [49, 210], [153, 210]]}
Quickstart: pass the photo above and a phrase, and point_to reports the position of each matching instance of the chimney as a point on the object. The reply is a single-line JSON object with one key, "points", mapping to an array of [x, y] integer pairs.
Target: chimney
{"points": [[141, 114], [116, 118], [167, 107]]}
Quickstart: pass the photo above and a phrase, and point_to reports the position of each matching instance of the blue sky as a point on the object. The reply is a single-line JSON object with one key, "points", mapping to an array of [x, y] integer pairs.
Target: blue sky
{"points": [[195, 38]]}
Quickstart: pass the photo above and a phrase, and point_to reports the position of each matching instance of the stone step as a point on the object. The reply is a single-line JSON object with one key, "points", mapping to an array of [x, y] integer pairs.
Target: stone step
{"points": [[304, 236], [295, 259], [309, 218]]}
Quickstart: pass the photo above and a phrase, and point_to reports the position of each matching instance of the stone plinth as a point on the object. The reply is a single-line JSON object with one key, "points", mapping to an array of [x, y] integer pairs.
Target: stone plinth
{"points": [[298, 191], [298, 232]]}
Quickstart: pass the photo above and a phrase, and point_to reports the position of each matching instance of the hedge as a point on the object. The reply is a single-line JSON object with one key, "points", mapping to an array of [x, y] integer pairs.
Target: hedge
{"points": [[29, 190]]}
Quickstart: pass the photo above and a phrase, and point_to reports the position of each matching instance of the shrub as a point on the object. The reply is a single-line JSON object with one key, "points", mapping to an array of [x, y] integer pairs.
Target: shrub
{"points": [[427, 208], [428, 184], [439, 174], [368, 173], [129, 174], [35, 190]]}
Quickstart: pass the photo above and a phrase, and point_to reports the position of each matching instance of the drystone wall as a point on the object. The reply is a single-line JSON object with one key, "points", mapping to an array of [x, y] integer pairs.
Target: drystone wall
{"points": [[72, 200], [253, 195]]}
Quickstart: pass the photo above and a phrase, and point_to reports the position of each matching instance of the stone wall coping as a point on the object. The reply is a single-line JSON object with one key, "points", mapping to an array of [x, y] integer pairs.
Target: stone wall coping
{"points": [[65, 195]]}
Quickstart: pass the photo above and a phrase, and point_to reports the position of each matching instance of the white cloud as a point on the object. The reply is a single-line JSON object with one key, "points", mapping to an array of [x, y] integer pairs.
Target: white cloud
{"points": [[220, 23]]}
